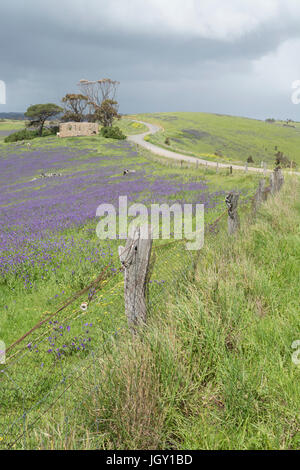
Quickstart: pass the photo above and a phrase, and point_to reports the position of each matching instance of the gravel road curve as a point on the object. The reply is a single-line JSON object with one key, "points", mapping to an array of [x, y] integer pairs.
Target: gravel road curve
{"points": [[139, 140]]}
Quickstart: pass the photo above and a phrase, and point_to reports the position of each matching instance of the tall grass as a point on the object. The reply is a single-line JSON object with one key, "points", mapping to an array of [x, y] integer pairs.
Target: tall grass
{"points": [[213, 368]]}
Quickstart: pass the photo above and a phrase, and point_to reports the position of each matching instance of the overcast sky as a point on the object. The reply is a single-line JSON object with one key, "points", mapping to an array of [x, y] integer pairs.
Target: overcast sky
{"points": [[223, 56]]}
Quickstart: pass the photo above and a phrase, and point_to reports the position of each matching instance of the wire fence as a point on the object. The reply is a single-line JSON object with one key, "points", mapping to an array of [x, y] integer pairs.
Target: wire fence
{"points": [[65, 347]]}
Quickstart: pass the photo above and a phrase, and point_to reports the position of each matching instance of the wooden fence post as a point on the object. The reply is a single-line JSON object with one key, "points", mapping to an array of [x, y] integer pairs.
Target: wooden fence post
{"points": [[272, 183], [276, 182], [135, 258], [258, 197], [246, 167], [265, 169], [265, 193], [278, 179], [230, 170], [232, 200], [217, 168]]}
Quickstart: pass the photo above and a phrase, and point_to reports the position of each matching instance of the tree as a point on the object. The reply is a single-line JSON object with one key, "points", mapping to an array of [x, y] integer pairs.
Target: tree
{"points": [[107, 112], [75, 106], [39, 113], [99, 91]]}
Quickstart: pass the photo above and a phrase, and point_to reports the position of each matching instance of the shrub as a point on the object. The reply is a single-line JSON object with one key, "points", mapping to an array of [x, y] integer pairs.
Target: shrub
{"points": [[52, 130], [283, 161], [250, 159], [112, 133], [24, 134], [27, 134], [167, 141]]}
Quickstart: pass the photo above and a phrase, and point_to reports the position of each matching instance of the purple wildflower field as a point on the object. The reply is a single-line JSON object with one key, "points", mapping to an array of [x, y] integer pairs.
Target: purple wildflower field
{"points": [[36, 212], [49, 250]]}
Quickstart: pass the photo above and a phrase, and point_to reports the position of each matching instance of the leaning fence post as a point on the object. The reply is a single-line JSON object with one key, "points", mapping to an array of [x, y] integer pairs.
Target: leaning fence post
{"points": [[258, 197], [135, 258], [232, 200]]}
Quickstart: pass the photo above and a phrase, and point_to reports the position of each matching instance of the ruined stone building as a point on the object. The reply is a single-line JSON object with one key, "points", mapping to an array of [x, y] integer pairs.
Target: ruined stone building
{"points": [[76, 129]]}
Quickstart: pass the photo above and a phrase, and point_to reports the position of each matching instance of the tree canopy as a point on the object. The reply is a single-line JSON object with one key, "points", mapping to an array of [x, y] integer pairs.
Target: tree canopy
{"points": [[107, 112], [39, 113], [99, 91], [75, 106]]}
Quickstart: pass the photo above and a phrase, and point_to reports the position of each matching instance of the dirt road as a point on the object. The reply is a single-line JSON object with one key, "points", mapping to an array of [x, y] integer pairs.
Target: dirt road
{"points": [[139, 140]]}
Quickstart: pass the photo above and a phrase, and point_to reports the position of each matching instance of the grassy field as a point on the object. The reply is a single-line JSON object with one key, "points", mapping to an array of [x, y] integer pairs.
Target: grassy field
{"points": [[234, 139], [214, 367], [49, 250], [90, 170]]}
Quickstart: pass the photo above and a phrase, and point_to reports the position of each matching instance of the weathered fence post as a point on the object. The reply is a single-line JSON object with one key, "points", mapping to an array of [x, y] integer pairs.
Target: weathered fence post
{"points": [[217, 168], [265, 193], [278, 179], [232, 200], [135, 258], [272, 183], [276, 182], [265, 169], [246, 167], [230, 170], [258, 197]]}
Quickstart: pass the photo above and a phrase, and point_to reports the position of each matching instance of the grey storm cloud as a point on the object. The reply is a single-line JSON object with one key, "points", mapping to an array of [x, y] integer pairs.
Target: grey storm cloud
{"points": [[200, 55]]}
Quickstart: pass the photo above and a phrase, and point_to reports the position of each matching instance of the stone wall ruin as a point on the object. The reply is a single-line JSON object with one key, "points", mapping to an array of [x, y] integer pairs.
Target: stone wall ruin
{"points": [[77, 129]]}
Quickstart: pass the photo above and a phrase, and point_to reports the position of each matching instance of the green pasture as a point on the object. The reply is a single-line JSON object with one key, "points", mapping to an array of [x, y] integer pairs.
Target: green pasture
{"points": [[232, 138]]}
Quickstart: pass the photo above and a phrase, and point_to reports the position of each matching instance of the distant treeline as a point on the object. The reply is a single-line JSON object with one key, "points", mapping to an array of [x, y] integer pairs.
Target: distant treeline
{"points": [[14, 116]]}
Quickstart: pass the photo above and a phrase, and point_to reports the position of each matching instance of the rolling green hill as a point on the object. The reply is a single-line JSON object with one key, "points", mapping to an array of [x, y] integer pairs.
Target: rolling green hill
{"points": [[232, 138]]}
